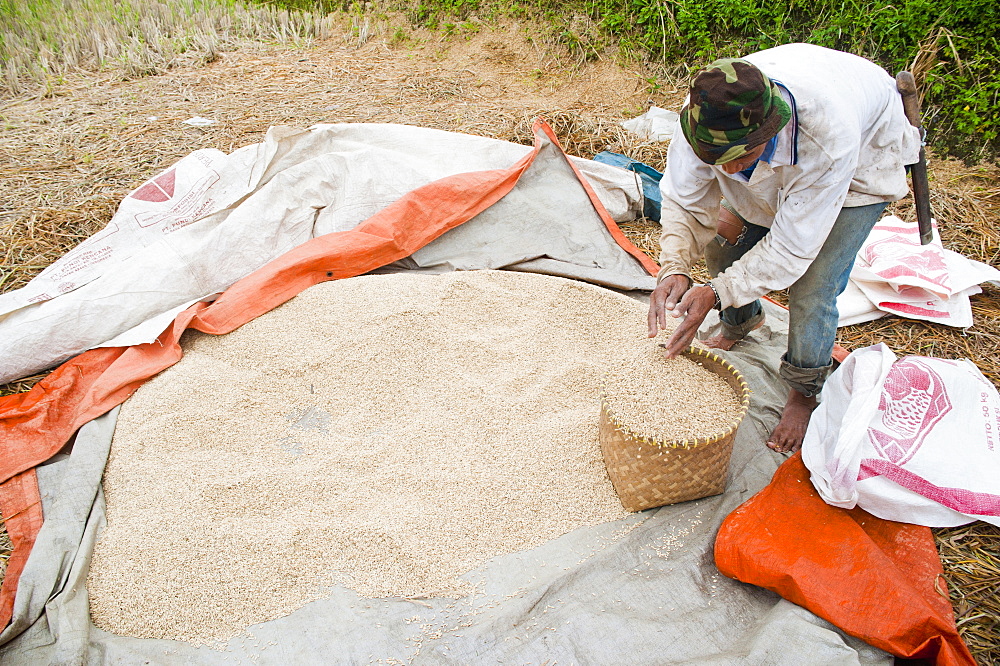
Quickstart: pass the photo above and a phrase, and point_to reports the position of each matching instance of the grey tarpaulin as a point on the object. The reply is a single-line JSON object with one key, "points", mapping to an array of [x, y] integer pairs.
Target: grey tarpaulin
{"points": [[643, 590], [545, 224]]}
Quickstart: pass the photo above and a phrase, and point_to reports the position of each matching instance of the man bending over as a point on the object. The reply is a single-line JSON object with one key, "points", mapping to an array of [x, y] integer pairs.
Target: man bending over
{"points": [[789, 158]]}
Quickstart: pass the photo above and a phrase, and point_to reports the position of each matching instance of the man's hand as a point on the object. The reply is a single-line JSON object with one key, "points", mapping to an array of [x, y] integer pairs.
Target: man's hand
{"points": [[664, 299], [693, 307]]}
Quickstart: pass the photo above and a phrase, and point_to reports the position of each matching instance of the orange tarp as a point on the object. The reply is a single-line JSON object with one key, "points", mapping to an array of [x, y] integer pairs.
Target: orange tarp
{"points": [[878, 580], [22, 512]]}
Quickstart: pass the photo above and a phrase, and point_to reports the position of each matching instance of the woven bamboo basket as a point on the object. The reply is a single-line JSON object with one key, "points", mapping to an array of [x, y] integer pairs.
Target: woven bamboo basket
{"points": [[647, 473]]}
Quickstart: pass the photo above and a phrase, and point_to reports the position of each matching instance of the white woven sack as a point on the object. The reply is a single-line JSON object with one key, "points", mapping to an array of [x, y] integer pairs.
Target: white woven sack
{"points": [[915, 439]]}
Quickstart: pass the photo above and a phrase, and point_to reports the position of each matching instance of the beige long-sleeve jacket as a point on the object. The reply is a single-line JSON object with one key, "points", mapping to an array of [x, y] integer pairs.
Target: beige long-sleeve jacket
{"points": [[846, 145]]}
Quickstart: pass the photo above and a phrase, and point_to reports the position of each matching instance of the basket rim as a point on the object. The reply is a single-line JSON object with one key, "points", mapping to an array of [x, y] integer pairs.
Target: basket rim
{"points": [[743, 396]]}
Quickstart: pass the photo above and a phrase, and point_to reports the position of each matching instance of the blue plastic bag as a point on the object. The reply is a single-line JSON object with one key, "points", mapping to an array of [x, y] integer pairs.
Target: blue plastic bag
{"points": [[649, 177]]}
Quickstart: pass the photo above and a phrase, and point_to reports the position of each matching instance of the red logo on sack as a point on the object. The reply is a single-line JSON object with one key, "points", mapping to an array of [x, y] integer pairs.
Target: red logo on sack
{"points": [[913, 401], [160, 188], [926, 264]]}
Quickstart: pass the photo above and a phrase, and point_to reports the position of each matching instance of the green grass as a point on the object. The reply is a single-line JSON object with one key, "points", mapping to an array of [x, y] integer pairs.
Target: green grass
{"points": [[950, 45]]}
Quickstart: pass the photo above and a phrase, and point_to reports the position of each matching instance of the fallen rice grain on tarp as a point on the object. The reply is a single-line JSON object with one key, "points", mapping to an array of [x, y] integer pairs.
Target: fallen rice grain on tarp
{"points": [[385, 433]]}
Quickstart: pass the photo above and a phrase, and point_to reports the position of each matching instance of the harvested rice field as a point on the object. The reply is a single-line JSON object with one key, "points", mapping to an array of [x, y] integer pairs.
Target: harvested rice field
{"points": [[73, 149]]}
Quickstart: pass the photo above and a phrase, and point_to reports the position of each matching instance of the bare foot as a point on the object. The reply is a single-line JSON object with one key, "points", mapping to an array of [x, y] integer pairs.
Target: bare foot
{"points": [[787, 436], [722, 342]]}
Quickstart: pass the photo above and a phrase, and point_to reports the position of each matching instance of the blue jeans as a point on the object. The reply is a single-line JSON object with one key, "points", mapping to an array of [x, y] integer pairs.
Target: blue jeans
{"points": [[812, 300]]}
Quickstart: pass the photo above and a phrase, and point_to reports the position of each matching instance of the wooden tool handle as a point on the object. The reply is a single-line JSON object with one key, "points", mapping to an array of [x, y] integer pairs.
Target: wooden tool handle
{"points": [[907, 88]]}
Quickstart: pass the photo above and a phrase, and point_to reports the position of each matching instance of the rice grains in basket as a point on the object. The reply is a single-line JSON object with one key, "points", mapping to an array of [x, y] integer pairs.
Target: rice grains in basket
{"points": [[669, 400]]}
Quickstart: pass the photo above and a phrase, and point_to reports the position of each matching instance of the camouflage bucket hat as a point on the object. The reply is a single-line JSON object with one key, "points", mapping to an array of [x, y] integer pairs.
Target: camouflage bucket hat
{"points": [[732, 109]]}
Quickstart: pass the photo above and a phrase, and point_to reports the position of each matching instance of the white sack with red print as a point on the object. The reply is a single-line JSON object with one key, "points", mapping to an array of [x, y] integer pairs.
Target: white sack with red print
{"points": [[914, 439], [895, 274]]}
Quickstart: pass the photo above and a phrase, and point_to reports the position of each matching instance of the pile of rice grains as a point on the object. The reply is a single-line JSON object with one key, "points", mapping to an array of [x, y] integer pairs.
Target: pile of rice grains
{"points": [[385, 433]]}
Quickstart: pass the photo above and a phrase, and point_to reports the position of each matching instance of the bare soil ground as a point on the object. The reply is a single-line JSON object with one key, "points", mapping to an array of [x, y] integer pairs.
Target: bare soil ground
{"points": [[67, 159]]}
